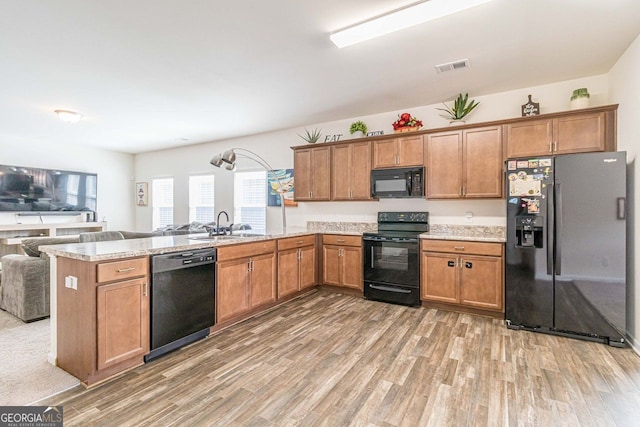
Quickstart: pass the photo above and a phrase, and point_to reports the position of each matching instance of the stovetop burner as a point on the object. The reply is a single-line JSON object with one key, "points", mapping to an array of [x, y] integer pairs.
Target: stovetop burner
{"points": [[401, 224]]}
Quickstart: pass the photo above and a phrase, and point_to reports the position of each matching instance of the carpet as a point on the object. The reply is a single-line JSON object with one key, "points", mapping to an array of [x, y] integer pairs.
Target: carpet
{"points": [[25, 374]]}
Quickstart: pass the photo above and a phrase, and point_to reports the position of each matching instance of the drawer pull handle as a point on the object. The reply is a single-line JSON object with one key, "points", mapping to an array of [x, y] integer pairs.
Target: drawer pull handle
{"points": [[340, 240], [125, 270], [459, 248], [299, 242]]}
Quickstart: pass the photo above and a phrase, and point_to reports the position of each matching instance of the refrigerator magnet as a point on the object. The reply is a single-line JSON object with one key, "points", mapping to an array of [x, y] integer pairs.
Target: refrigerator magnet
{"points": [[544, 162], [512, 165], [533, 163], [522, 164]]}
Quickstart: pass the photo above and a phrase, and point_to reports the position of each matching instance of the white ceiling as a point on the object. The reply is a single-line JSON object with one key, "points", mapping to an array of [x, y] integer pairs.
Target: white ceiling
{"points": [[152, 74]]}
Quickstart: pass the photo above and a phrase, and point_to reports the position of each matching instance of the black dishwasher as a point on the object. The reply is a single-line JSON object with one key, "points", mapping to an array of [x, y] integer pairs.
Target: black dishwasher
{"points": [[182, 299]]}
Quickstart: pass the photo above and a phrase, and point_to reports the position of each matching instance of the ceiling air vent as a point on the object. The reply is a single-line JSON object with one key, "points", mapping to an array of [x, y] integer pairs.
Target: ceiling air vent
{"points": [[450, 66]]}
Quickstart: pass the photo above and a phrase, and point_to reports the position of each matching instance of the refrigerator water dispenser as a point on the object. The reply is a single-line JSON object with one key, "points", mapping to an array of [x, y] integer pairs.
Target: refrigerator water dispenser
{"points": [[529, 231]]}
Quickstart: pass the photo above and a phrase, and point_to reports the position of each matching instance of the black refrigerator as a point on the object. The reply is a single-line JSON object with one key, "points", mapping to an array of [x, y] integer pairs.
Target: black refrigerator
{"points": [[565, 259]]}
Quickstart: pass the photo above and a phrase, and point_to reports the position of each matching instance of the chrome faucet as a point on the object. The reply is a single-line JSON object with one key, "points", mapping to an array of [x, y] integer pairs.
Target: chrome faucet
{"points": [[218, 230]]}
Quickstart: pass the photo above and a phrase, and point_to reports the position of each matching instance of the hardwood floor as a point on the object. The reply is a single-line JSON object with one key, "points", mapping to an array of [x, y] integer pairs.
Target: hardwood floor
{"points": [[330, 359]]}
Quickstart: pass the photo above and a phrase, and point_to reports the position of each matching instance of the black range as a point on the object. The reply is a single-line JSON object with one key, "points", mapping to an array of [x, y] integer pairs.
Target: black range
{"points": [[391, 258]]}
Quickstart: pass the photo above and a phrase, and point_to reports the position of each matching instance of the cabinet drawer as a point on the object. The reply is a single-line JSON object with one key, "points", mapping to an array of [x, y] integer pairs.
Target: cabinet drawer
{"points": [[462, 247], [123, 269], [337, 239], [246, 250], [296, 242]]}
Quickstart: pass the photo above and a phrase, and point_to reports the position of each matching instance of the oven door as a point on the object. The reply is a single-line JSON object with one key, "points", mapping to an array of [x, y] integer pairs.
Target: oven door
{"points": [[392, 261]]}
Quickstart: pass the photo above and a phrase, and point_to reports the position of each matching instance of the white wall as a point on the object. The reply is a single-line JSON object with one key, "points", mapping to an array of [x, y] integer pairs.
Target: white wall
{"points": [[624, 88], [115, 173], [275, 148]]}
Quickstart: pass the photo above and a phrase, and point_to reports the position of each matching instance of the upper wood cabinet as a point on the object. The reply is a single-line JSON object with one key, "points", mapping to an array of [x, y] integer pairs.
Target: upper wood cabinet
{"points": [[351, 171], [398, 152], [313, 173], [564, 134], [465, 163]]}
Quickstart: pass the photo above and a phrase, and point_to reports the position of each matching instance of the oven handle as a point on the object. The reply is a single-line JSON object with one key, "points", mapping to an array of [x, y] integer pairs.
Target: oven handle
{"points": [[390, 289]]}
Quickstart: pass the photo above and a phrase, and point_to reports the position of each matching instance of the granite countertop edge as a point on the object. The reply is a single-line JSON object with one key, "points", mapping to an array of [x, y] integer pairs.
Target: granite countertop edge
{"points": [[464, 237]]}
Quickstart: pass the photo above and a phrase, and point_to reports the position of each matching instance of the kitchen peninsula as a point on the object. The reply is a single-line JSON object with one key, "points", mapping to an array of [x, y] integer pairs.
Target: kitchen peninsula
{"points": [[100, 291]]}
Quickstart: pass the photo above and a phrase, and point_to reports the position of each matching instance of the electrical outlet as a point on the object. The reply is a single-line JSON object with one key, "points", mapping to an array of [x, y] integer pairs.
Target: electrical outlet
{"points": [[71, 282], [468, 216]]}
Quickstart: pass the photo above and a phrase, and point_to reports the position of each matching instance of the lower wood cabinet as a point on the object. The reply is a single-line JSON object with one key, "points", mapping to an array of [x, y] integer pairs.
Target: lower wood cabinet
{"points": [[342, 261], [245, 279], [102, 324], [296, 264], [463, 273]]}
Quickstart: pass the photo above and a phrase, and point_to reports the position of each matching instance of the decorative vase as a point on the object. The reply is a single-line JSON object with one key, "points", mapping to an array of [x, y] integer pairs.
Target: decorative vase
{"points": [[406, 129], [456, 122]]}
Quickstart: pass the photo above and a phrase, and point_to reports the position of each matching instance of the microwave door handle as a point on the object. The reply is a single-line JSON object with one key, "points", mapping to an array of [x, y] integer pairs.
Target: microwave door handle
{"points": [[409, 184]]}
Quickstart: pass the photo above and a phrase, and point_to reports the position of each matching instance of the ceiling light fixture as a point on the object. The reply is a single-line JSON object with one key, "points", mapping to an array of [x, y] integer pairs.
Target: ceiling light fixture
{"points": [[69, 116], [401, 19]]}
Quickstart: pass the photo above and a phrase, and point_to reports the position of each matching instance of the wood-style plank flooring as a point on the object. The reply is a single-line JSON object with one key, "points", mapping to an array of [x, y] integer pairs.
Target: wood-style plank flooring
{"points": [[329, 359]]}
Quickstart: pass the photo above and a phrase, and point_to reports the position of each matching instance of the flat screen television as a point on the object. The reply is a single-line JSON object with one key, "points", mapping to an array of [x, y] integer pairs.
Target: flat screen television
{"points": [[25, 189]]}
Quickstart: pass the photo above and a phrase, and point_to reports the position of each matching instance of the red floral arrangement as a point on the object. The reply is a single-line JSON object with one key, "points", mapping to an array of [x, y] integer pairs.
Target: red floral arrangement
{"points": [[406, 120]]}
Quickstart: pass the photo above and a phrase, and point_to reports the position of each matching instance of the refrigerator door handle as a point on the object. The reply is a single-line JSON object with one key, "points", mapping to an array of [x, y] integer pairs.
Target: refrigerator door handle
{"points": [[558, 240], [550, 229], [622, 207]]}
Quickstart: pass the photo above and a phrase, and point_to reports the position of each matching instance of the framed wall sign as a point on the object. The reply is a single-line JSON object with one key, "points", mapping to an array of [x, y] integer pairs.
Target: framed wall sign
{"points": [[142, 193], [530, 108]]}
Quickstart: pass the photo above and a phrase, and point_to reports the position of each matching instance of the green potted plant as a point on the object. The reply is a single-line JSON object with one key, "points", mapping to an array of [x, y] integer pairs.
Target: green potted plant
{"points": [[358, 126], [580, 98], [311, 137], [461, 108]]}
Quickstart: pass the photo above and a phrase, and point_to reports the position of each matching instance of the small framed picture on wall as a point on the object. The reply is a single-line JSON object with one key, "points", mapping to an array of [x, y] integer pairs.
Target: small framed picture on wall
{"points": [[142, 193]]}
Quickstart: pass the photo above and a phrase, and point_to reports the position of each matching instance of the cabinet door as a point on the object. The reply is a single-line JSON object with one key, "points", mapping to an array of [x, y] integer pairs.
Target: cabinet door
{"points": [[263, 279], [288, 276], [410, 151], [384, 154], [444, 165], [579, 133], [439, 277], [482, 162], [351, 267], [307, 267], [360, 168], [341, 172], [232, 289], [331, 265], [529, 138], [321, 174], [302, 166], [481, 282], [123, 321]]}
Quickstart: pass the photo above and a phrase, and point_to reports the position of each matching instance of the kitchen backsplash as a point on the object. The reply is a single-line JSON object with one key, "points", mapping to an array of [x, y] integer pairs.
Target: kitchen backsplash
{"points": [[348, 227]]}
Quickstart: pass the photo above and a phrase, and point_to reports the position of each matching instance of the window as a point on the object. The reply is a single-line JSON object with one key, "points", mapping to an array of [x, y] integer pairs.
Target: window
{"points": [[250, 200], [201, 207], [162, 202]]}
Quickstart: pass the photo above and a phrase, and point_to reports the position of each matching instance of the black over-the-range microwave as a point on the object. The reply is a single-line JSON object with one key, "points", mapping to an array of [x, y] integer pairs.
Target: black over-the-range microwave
{"points": [[398, 182]]}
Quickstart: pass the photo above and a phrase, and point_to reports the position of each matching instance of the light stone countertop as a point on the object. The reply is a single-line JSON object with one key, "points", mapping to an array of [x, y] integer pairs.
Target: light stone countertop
{"points": [[116, 249], [477, 233]]}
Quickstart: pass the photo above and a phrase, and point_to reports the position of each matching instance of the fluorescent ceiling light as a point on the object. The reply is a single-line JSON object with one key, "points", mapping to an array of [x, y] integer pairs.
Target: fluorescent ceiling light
{"points": [[401, 19], [69, 116]]}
